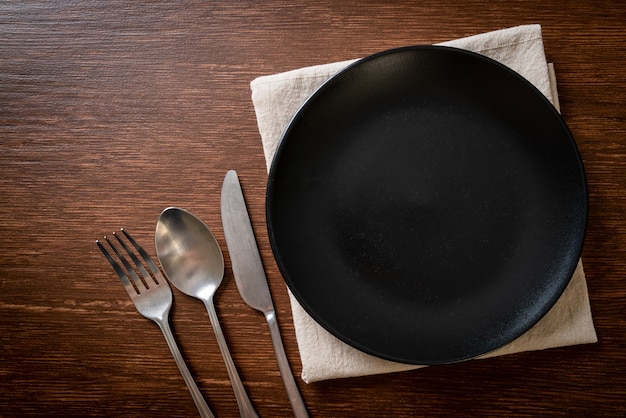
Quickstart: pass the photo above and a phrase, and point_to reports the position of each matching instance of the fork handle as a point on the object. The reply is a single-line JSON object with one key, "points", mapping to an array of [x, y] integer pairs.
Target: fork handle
{"points": [[246, 410], [198, 399]]}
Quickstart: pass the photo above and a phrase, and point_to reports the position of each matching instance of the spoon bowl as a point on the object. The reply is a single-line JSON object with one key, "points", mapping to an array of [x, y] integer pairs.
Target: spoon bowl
{"points": [[193, 262], [189, 253]]}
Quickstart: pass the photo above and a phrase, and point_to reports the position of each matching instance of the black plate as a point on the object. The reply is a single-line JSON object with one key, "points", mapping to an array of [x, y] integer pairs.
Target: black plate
{"points": [[427, 205]]}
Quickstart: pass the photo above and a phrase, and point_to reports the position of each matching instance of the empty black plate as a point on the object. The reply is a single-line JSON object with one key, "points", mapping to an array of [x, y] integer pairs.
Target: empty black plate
{"points": [[427, 205]]}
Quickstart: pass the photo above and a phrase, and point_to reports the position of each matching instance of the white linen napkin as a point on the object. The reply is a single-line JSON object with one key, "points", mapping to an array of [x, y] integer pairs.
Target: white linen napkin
{"points": [[277, 97]]}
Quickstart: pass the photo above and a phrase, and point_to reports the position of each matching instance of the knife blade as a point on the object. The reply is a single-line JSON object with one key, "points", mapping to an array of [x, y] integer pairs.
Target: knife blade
{"points": [[250, 277]]}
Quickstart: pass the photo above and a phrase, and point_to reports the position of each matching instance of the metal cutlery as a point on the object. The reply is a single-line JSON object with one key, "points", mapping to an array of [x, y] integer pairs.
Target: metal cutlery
{"points": [[250, 277], [193, 262], [152, 297]]}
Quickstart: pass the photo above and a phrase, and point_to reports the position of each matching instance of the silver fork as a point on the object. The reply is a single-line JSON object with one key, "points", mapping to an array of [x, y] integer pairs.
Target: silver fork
{"points": [[152, 297]]}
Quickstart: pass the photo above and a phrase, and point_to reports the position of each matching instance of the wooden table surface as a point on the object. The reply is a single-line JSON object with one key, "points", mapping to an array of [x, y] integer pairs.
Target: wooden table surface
{"points": [[111, 111]]}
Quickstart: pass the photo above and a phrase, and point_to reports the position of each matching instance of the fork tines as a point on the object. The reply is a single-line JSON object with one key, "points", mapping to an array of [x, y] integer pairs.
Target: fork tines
{"points": [[133, 282]]}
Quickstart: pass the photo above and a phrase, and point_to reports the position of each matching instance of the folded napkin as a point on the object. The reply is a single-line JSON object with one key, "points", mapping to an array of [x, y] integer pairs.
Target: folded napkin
{"points": [[276, 99]]}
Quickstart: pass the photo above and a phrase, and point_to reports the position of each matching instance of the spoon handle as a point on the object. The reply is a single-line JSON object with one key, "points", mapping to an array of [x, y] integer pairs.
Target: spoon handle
{"points": [[203, 408], [246, 410], [295, 399]]}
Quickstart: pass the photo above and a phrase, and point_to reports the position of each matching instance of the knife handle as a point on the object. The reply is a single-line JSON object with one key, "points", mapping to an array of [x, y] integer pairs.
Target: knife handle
{"points": [[295, 399]]}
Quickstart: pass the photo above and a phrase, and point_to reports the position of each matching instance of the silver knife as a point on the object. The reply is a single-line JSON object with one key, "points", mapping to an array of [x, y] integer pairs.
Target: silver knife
{"points": [[250, 277]]}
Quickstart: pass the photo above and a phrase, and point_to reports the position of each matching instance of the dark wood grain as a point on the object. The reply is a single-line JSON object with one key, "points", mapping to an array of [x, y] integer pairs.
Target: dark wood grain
{"points": [[112, 110]]}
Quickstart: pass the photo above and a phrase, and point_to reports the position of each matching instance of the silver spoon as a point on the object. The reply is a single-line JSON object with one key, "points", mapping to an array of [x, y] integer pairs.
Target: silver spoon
{"points": [[193, 262]]}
